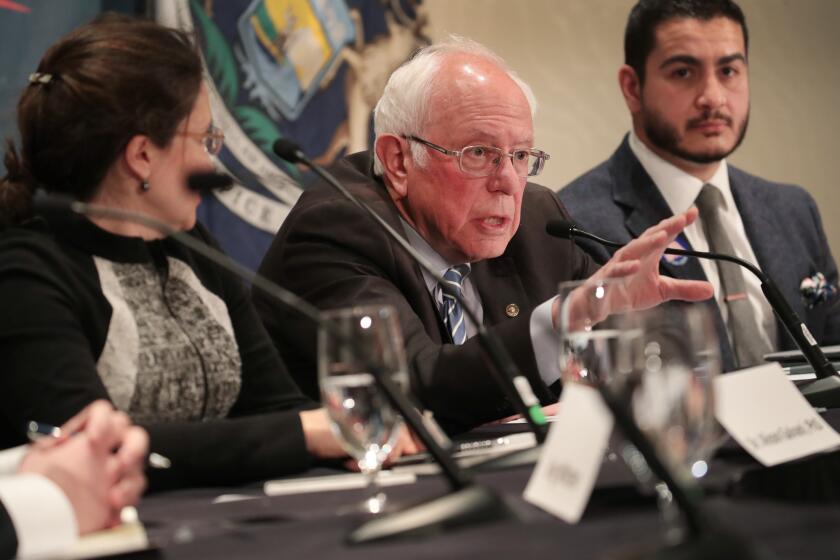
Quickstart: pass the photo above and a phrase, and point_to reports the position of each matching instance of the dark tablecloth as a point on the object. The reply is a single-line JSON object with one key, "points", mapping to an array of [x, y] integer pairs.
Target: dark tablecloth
{"points": [[791, 511]]}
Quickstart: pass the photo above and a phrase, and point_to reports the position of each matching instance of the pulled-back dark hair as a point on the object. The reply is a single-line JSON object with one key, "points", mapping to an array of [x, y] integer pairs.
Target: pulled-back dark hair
{"points": [[108, 81], [647, 15]]}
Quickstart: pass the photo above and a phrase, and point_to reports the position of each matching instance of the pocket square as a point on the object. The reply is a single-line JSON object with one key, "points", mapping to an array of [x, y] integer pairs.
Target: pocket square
{"points": [[816, 290]]}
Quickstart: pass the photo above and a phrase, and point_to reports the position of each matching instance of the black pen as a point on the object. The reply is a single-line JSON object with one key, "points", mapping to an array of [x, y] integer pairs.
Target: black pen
{"points": [[37, 430]]}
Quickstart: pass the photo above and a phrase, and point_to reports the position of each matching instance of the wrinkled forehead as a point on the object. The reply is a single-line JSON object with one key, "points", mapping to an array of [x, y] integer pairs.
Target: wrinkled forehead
{"points": [[471, 89]]}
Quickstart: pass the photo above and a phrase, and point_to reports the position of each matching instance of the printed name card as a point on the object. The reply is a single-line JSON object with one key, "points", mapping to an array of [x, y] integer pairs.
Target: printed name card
{"points": [[765, 413], [571, 457]]}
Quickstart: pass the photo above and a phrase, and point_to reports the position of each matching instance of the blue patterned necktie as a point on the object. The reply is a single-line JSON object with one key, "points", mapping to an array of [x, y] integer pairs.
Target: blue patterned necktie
{"points": [[450, 309]]}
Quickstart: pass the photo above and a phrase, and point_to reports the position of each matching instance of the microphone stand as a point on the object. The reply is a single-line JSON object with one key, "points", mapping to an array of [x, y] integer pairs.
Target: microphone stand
{"points": [[467, 502], [825, 390]]}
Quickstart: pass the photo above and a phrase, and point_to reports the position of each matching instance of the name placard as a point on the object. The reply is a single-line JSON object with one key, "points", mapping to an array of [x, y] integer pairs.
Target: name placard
{"points": [[765, 413], [571, 458]]}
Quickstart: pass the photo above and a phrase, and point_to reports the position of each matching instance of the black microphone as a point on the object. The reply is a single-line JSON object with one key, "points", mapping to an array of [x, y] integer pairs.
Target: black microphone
{"points": [[468, 501], [209, 182], [289, 150], [825, 391], [516, 387]]}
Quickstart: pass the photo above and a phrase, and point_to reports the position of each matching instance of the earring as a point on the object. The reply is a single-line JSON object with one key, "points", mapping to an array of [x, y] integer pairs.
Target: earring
{"points": [[144, 186]]}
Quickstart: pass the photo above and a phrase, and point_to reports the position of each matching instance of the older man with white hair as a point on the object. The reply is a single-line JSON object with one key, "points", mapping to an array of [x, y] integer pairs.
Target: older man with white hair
{"points": [[454, 148]]}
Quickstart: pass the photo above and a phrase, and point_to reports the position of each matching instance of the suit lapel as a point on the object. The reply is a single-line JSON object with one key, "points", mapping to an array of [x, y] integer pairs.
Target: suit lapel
{"points": [[644, 207], [499, 285], [765, 236], [412, 282]]}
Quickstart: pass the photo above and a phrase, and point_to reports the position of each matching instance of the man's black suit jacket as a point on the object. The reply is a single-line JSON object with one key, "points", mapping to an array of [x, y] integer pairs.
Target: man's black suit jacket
{"points": [[334, 255], [618, 200]]}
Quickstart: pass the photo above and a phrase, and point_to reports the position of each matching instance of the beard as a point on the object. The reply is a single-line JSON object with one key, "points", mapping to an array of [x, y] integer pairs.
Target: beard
{"points": [[665, 136]]}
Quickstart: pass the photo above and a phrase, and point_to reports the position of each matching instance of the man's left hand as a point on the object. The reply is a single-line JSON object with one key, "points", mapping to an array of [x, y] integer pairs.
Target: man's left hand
{"points": [[638, 263]]}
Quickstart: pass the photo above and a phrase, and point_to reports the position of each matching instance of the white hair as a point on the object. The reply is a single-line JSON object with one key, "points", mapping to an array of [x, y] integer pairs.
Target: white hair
{"points": [[403, 108]]}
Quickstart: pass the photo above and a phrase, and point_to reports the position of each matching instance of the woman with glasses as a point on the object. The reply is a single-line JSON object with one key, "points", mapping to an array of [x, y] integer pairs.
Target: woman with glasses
{"points": [[116, 115]]}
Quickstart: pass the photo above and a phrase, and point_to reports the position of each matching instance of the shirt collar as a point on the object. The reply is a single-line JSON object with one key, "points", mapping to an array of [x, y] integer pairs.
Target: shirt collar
{"points": [[422, 246], [678, 188]]}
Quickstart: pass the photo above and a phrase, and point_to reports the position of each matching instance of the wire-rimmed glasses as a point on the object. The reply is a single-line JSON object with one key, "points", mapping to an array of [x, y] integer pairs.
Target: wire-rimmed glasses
{"points": [[481, 161], [212, 139]]}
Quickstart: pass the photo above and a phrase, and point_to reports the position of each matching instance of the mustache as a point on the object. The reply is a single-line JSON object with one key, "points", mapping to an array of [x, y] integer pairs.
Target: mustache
{"points": [[708, 116]]}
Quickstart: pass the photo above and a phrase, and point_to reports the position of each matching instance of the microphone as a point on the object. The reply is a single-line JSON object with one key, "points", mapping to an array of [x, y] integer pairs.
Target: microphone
{"points": [[516, 387], [289, 150], [468, 501], [209, 182], [825, 391]]}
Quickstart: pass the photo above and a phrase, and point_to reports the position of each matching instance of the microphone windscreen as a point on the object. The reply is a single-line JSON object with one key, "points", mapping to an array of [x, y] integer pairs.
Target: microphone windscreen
{"points": [[559, 228], [208, 182], [287, 149]]}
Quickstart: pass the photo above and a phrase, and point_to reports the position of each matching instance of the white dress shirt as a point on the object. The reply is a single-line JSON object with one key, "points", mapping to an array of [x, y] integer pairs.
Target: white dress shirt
{"points": [[440, 266], [42, 515], [544, 339], [680, 190]]}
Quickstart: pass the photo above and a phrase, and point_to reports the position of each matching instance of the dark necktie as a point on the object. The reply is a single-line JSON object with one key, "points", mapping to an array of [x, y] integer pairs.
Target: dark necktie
{"points": [[450, 309], [746, 339]]}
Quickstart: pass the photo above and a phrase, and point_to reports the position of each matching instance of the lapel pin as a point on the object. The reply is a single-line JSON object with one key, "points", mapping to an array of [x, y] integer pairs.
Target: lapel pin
{"points": [[512, 310], [677, 260]]}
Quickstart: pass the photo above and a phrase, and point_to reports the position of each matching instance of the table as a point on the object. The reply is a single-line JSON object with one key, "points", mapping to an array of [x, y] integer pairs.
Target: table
{"points": [[790, 510]]}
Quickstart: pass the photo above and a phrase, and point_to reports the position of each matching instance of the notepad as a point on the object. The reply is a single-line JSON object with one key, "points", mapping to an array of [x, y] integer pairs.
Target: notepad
{"points": [[129, 536]]}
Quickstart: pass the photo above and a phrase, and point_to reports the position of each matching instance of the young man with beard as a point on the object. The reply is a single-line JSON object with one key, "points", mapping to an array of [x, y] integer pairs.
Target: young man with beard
{"points": [[686, 83]]}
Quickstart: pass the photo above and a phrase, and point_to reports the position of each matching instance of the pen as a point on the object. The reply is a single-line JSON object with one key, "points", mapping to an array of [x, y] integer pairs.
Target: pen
{"points": [[38, 430]]}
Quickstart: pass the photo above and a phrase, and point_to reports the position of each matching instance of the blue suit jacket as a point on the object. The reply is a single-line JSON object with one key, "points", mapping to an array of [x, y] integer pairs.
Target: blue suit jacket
{"points": [[618, 200]]}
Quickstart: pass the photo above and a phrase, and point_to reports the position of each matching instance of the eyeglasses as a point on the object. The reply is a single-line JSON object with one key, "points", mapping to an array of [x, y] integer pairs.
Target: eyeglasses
{"points": [[481, 161], [212, 139]]}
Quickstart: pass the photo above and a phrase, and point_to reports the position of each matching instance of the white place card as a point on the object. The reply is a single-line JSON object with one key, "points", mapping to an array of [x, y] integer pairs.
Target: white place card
{"points": [[765, 413], [572, 454]]}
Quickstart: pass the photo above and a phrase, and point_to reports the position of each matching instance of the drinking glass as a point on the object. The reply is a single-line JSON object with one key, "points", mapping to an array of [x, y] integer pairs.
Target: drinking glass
{"points": [[670, 391], [362, 339], [593, 343], [661, 363]]}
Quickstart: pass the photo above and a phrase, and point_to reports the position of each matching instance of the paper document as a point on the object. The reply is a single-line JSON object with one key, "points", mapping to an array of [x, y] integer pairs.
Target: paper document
{"points": [[129, 536], [334, 482]]}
